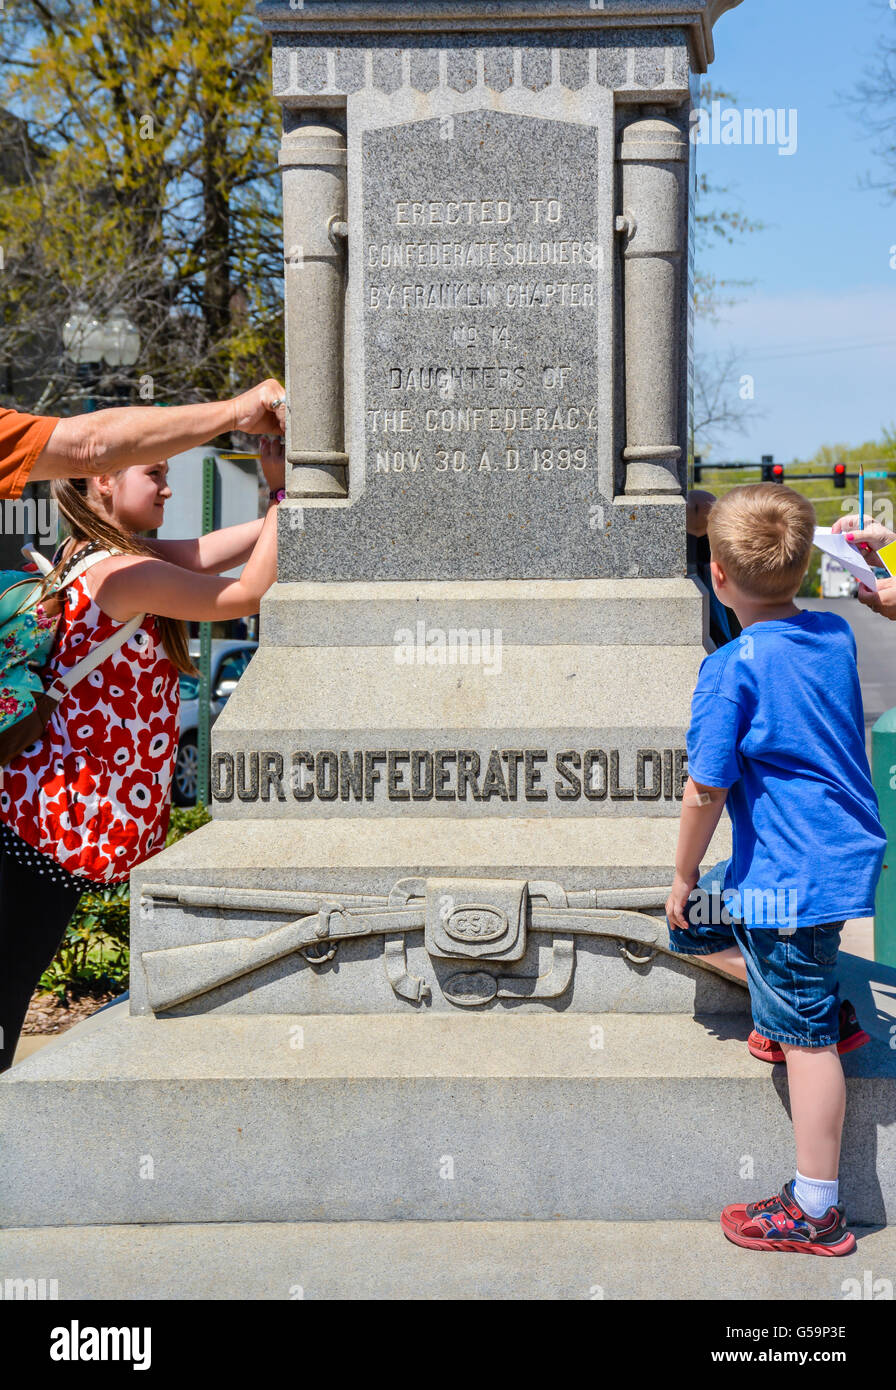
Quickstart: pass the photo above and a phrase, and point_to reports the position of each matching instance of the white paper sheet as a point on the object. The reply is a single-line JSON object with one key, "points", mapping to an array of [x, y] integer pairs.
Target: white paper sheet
{"points": [[839, 548]]}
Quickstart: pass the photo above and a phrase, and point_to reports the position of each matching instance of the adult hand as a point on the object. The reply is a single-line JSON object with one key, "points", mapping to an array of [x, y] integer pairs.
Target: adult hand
{"points": [[882, 602], [869, 538], [682, 888], [261, 410], [272, 457]]}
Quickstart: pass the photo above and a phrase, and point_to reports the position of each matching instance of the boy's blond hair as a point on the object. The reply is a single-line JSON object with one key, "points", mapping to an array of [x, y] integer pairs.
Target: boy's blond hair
{"points": [[761, 534]]}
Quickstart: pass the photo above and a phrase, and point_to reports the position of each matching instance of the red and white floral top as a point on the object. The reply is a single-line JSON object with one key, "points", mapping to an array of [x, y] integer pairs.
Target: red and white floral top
{"points": [[93, 792]]}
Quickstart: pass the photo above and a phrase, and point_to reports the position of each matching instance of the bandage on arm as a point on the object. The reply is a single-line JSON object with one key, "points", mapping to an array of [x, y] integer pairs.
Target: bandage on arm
{"points": [[701, 812]]}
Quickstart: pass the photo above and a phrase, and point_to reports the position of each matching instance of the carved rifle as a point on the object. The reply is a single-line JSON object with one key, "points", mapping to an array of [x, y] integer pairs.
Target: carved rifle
{"points": [[178, 973]]}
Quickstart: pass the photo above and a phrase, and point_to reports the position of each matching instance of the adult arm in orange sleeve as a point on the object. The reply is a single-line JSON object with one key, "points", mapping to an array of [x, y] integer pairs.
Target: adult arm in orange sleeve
{"points": [[104, 441]]}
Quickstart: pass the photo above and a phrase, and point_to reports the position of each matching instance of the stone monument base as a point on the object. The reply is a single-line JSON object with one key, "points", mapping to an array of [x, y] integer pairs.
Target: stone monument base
{"points": [[193, 904], [424, 1117], [471, 789]]}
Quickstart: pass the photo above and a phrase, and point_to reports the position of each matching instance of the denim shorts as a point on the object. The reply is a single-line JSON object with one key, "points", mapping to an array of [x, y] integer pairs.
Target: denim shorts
{"points": [[791, 972]]}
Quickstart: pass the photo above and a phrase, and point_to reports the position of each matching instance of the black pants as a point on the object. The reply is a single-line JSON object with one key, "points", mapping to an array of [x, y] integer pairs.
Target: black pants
{"points": [[37, 900]]}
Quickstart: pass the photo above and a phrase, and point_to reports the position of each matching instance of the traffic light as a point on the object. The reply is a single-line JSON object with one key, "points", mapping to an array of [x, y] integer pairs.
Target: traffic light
{"points": [[698, 468], [772, 472], [839, 475]]}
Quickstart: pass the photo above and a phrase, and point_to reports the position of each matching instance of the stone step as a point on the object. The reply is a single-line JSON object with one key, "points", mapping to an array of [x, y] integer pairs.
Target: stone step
{"points": [[496, 1117], [410, 1260], [528, 612]]}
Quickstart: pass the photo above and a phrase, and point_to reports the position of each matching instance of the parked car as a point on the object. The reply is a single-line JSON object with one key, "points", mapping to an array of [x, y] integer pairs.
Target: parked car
{"points": [[229, 661]]}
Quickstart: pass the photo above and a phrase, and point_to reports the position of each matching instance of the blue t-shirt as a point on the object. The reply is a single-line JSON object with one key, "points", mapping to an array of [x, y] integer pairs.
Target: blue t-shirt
{"points": [[777, 718]]}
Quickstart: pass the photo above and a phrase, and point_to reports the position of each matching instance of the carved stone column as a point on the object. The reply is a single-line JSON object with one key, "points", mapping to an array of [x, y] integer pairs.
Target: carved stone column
{"points": [[654, 158], [313, 160]]}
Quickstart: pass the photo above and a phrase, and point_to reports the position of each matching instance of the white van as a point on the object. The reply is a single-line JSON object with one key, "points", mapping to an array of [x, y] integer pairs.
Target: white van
{"points": [[836, 582]]}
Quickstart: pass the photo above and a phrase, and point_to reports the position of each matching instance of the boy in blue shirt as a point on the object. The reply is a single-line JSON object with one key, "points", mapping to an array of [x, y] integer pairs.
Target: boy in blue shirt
{"points": [[777, 734]]}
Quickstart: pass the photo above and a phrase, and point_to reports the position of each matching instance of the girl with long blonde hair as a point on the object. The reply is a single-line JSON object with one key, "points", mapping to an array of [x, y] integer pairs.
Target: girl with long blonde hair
{"points": [[91, 798]]}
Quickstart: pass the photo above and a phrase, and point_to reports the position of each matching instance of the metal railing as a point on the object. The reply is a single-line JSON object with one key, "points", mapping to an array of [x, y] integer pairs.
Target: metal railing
{"points": [[772, 472]]}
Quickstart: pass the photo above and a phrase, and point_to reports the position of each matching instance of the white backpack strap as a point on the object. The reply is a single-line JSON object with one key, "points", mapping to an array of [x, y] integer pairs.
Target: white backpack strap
{"points": [[45, 567], [36, 558], [84, 565], [63, 684]]}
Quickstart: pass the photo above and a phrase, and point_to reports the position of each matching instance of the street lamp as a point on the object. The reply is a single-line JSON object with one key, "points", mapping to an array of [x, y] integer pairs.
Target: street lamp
{"points": [[82, 335], [121, 342], [88, 341]]}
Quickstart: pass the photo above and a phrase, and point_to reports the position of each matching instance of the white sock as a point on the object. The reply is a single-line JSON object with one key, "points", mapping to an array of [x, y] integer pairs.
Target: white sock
{"points": [[815, 1196]]}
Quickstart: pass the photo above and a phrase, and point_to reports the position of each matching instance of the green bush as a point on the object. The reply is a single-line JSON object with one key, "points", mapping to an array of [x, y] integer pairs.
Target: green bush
{"points": [[95, 954], [183, 820]]}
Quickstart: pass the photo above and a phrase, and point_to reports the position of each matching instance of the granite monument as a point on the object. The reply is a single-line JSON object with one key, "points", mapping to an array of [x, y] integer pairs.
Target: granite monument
{"points": [[426, 919], [461, 744]]}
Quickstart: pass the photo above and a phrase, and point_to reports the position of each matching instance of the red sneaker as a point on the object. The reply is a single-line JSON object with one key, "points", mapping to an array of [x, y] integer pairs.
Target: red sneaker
{"points": [[779, 1223], [852, 1035]]}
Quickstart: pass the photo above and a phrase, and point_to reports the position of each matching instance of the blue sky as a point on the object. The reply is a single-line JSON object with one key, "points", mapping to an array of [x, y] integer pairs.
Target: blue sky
{"points": [[817, 330]]}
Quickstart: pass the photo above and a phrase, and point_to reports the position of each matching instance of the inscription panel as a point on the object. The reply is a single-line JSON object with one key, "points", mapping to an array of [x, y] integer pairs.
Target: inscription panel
{"points": [[481, 258], [375, 777]]}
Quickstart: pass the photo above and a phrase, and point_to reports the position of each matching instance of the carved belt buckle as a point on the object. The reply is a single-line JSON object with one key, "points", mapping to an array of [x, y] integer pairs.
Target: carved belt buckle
{"points": [[482, 920]]}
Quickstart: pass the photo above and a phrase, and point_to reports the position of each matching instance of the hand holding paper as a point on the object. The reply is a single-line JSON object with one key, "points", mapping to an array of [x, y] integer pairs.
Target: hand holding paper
{"points": [[839, 548], [883, 602]]}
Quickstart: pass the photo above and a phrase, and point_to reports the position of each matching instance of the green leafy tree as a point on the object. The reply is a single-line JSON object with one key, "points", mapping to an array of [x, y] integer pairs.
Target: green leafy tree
{"points": [[139, 161], [875, 451]]}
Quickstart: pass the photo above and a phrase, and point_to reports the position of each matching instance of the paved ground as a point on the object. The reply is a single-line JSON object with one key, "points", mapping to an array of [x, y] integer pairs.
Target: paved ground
{"points": [[32, 1042]]}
